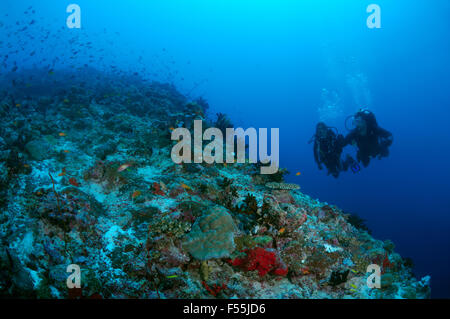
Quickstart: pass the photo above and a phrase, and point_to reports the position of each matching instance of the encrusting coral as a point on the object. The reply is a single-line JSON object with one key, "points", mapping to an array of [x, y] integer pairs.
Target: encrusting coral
{"points": [[284, 186]]}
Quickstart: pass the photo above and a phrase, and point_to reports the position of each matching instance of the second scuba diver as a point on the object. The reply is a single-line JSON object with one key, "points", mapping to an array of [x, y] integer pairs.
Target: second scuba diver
{"points": [[371, 139], [328, 146]]}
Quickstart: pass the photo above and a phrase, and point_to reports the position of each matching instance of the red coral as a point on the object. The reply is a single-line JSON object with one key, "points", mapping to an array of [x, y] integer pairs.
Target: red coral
{"points": [[157, 189], [262, 260], [384, 262], [281, 271], [214, 289], [77, 293], [74, 182]]}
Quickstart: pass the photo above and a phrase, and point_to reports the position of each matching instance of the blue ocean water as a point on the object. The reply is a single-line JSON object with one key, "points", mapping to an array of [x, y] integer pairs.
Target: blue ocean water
{"points": [[286, 64]]}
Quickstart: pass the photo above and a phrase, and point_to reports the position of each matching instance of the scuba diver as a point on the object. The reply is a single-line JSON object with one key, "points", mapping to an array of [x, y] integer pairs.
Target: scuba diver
{"points": [[328, 147], [371, 139]]}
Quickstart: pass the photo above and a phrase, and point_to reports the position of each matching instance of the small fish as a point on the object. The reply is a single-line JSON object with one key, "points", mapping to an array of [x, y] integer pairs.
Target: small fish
{"points": [[135, 194], [353, 285], [353, 290], [18, 105], [73, 181], [298, 174], [185, 186], [63, 172], [62, 134], [123, 167], [171, 128], [172, 276], [66, 151], [282, 230], [353, 271], [26, 165]]}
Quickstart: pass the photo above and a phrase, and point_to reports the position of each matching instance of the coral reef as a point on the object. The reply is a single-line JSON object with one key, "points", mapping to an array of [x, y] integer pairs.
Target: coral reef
{"points": [[86, 178]]}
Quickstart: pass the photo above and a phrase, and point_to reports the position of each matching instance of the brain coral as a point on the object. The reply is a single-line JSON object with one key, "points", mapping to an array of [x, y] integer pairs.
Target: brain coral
{"points": [[212, 235]]}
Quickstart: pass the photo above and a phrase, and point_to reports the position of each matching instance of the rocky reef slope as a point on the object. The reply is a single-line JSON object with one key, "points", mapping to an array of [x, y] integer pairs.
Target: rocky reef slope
{"points": [[86, 178]]}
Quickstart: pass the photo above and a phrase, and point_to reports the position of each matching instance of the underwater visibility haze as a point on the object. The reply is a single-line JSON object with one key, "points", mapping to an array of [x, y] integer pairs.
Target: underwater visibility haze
{"points": [[94, 95]]}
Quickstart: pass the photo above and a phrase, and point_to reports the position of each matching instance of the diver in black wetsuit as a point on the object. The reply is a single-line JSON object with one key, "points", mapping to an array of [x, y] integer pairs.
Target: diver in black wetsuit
{"points": [[328, 147], [371, 139]]}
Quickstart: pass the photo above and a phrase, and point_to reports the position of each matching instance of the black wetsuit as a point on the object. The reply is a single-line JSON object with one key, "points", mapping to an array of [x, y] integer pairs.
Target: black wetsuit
{"points": [[328, 150], [374, 143]]}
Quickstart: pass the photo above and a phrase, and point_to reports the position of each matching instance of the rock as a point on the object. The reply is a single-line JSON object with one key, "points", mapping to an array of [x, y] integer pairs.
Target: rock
{"points": [[39, 149], [22, 280], [104, 150]]}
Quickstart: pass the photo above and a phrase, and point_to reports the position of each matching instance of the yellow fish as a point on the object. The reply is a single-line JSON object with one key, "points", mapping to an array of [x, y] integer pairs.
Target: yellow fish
{"points": [[63, 172], [185, 186], [282, 230], [354, 286], [298, 174]]}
